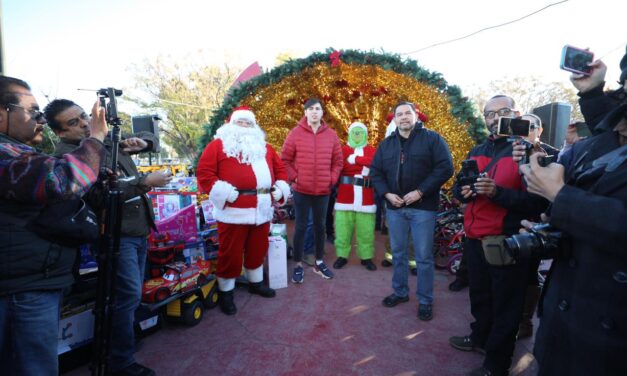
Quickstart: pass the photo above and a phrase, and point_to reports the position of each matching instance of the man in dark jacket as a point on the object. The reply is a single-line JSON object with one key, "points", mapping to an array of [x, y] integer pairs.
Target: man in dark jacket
{"points": [[408, 169], [34, 271], [72, 125], [583, 330], [496, 205]]}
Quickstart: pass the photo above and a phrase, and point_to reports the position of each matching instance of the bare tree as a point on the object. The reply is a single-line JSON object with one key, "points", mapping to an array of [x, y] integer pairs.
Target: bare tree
{"points": [[187, 93], [529, 93]]}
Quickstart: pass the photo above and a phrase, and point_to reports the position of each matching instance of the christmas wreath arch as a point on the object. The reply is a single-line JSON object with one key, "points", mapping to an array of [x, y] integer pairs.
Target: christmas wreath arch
{"points": [[354, 86]]}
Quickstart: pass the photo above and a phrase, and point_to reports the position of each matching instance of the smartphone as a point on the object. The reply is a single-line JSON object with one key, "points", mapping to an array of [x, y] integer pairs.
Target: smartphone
{"points": [[513, 127], [576, 60], [469, 173]]}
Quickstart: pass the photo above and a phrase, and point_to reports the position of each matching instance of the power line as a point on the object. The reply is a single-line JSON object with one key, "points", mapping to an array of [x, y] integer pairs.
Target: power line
{"points": [[484, 29]]}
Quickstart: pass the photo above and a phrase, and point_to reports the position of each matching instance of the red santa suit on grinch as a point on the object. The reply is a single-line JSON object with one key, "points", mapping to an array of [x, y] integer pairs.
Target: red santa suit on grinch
{"points": [[242, 174]]}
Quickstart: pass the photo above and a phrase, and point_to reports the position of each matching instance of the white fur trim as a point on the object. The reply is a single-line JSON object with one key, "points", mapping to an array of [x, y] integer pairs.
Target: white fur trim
{"points": [[359, 151], [356, 208], [264, 180], [219, 193], [390, 129], [242, 216], [365, 171], [357, 125], [226, 284], [285, 189], [351, 159], [243, 114], [254, 275]]}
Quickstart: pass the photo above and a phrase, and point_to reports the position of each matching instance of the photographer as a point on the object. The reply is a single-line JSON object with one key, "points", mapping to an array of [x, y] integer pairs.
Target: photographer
{"points": [[594, 103], [72, 125], [583, 315], [35, 271], [497, 201]]}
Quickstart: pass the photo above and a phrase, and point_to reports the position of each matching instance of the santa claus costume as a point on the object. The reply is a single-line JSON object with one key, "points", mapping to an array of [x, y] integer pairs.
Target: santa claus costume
{"points": [[355, 208], [242, 174]]}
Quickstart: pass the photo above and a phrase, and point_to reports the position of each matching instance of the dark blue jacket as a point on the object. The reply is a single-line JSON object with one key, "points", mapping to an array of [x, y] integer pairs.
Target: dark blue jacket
{"points": [[428, 166]]}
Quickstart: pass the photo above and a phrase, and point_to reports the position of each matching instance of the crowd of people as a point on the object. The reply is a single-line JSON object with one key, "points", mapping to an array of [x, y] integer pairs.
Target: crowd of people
{"points": [[582, 199]]}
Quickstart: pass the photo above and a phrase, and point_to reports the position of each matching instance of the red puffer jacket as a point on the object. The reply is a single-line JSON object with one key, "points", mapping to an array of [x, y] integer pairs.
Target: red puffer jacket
{"points": [[313, 160]]}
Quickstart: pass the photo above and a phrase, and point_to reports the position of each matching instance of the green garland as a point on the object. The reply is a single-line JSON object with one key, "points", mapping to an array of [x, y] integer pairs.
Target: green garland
{"points": [[461, 107]]}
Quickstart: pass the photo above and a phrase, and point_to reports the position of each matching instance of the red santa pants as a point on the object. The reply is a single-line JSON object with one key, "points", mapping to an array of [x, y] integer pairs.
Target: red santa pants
{"points": [[241, 243]]}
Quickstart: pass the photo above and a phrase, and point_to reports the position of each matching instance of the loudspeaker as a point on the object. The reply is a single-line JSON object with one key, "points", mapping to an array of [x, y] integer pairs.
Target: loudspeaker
{"points": [[146, 123], [555, 119]]}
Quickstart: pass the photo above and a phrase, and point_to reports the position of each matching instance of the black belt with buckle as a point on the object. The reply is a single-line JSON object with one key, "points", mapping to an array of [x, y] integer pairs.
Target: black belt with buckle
{"points": [[254, 192], [363, 182]]}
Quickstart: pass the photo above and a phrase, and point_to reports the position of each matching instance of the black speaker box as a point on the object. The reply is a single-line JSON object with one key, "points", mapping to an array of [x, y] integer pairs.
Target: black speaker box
{"points": [[555, 119], [145, 123]]}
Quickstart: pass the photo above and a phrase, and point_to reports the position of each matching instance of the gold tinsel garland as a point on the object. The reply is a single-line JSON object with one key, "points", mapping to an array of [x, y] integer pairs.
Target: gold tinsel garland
{"points": [[353, 92]]}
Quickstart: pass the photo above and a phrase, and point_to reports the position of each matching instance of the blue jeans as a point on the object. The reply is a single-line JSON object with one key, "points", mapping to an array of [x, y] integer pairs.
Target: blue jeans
{"points": [[420, 224], [29, 330], [309, 236], [128, 293]]}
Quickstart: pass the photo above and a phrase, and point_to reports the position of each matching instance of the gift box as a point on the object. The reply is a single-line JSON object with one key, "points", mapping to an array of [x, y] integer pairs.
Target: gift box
{"points": [[277, 262]]}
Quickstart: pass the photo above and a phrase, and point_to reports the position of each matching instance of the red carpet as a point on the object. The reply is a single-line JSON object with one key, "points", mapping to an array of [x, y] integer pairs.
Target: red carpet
{"points": [[325, 327]]}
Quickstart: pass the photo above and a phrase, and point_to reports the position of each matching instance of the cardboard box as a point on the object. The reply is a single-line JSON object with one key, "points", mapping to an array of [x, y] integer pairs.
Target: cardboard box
{"points": [[277, 262]]}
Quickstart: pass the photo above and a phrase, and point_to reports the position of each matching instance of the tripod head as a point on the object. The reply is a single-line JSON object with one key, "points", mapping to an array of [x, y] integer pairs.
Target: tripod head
{"points": [[110, 106]]}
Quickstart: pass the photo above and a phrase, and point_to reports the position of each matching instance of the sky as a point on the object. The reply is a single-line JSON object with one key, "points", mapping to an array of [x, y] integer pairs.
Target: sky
{"points": [[62, 45]]}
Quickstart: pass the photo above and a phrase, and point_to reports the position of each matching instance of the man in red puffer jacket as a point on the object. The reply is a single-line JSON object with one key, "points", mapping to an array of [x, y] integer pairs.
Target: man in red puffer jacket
{"points": [[312, 155]]}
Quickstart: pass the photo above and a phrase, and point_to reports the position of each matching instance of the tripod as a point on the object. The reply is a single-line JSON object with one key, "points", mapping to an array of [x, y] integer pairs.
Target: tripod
{"points": [[109, 247]]}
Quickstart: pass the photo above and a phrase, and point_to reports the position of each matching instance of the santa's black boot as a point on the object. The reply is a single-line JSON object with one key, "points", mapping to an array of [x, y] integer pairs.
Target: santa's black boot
{"points": [[225, 299], [259, 289]]}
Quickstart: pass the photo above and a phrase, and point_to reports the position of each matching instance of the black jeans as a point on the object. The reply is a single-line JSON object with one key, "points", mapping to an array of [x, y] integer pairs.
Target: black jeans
{"points": [[497, 296], [318, 205]]}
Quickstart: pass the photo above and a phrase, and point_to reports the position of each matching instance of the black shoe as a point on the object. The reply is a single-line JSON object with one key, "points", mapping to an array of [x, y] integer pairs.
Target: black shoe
{"points": [[386, 263], [134, 369], [225, 299], [369, 264], [393, 300], [465, 344], [339, 263], [261, 290], [414, 271], [457, 285], [425, 312]]}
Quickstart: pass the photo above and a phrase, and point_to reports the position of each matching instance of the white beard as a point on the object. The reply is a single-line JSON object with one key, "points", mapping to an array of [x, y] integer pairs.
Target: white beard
{"points": [[247, 145]]}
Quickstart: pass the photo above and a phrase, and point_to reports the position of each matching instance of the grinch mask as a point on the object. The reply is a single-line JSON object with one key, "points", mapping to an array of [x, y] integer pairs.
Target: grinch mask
{"points": [[357, 137]]}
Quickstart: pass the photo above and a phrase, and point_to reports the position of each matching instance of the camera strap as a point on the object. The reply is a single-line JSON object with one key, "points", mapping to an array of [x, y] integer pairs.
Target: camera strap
{"points": [[497, 156]]}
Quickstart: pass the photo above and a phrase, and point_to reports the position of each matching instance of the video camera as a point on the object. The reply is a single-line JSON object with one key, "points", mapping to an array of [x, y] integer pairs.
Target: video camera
{"points": [[111, 107], [541, 242]]}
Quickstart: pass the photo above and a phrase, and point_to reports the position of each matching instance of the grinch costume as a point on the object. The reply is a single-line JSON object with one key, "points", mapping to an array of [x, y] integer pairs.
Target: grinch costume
{"points": [[355, 207]]}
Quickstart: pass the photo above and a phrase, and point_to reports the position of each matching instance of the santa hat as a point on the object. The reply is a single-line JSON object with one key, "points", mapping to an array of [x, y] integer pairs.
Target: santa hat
{"points": [[357, 125], [242, 113]]}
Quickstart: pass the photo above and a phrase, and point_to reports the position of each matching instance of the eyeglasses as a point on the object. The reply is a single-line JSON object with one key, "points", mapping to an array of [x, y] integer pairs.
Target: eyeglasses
{"points": [[34, 114], [501, 112]]}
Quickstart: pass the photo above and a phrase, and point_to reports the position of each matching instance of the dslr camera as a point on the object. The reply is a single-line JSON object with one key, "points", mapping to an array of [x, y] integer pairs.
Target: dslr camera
{"points": [[468, 174], [541, 242]]}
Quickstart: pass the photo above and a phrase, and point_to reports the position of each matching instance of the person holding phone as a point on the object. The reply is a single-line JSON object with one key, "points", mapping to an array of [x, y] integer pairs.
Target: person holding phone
{"points": [[595, 104], [68, 121], [494, 209]]}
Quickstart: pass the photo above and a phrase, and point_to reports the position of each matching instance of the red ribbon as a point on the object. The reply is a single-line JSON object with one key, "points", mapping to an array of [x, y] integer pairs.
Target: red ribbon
{"points": [[334, 57]]}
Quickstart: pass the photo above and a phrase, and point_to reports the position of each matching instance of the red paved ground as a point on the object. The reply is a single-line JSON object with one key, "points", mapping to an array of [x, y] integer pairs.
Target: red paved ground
{"points": [[325, 327]]}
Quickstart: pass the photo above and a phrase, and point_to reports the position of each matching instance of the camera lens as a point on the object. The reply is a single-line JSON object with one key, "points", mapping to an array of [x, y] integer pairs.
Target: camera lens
{"points": [[522, 245]]}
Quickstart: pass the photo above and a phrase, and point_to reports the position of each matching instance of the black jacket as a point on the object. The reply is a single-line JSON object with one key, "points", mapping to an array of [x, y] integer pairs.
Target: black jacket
{"points": [[137, 212], [596, 104], [583, 327], [428, 166]]}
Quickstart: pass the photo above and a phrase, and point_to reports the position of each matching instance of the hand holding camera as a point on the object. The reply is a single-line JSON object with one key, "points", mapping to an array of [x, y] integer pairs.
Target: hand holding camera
{"points": [[158, 179], [133, 144], [544, 181], [99, 128]]}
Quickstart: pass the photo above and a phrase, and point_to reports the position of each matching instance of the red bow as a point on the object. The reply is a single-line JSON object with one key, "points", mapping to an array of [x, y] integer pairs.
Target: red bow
{"points": [[334, 57]]}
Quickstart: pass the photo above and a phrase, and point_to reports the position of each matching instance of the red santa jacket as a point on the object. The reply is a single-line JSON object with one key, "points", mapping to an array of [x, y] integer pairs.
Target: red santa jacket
{"points": [[220, 175], [351, 197]]}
